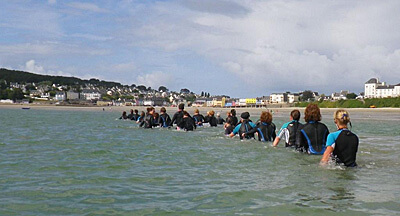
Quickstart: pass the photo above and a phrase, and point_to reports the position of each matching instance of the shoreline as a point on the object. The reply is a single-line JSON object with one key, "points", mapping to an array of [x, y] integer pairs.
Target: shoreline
{"points": [[169, 109]]}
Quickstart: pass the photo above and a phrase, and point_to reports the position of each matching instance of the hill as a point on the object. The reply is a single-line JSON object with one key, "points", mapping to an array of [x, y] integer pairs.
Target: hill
{"points": [[26, 77]]}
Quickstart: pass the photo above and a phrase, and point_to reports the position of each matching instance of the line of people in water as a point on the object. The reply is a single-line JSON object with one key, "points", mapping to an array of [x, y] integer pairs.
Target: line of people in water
{"points": [[313, 137]]}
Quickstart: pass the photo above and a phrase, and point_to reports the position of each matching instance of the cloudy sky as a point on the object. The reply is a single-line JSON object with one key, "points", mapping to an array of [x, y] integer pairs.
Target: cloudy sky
{"points": [[243, 48]]}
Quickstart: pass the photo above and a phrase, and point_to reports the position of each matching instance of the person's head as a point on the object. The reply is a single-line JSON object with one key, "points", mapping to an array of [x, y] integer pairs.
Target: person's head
{"points": [[181, 106], [233, 112], [228, 113], [196, 111], [154, 109], [124, 113], [131, 111], [218, 114], [341, 117], [136, 111], [312, 113], [163, 110], [295, 114], [142, 113], [211, 113], [185, 114], [266, 117], [156, 115], [245, 115], [150, 110]]}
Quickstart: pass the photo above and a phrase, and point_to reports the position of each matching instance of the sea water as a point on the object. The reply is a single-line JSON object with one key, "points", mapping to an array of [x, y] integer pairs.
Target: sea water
{"points": [[63, 162]]}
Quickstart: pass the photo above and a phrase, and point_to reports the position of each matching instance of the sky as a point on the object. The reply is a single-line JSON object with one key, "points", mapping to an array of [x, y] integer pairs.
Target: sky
{"points": [[240, 48]]}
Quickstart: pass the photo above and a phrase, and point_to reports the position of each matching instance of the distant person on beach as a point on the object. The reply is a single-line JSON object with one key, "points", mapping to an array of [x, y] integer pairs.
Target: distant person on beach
{"points": [[244, 126], [289, 129], [210, 118], [265, 128], [124, 116], [178, 117], [311, 137], [198, 118], [188, 122], [140, 119], [220, 120], [341, 145], [164, 120]]}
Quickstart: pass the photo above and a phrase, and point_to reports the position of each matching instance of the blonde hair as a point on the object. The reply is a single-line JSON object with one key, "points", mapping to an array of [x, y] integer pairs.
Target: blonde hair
{"points": [[211, 113], [196, 111], [342, 116]]}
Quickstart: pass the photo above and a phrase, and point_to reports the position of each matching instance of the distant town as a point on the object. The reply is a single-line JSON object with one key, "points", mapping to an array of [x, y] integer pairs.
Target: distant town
{"points": [[100, 93]]}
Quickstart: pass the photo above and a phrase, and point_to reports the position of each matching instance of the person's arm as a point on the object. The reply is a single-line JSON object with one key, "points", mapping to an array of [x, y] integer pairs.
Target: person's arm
{"points": [[251, 132], [173, 119], [326, 156], [276, 141], [235, 131]]}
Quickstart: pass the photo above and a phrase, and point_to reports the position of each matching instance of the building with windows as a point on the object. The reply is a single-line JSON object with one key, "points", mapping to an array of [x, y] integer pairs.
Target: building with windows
{"points": [[375, 89]]}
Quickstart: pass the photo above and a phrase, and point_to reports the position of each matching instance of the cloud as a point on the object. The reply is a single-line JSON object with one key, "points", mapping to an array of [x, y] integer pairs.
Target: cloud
{"points": [[155, 79], [91, 37], [87, 7], [31, 66], [222, 7], [52, 1]]}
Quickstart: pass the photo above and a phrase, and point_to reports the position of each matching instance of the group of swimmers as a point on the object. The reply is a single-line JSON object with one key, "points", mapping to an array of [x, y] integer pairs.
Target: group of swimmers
{"points": [[313, 137]]}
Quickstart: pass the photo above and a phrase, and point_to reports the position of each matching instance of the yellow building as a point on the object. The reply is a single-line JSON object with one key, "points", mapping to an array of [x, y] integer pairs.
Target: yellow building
{"points": [[251, 101], [218, 102]]}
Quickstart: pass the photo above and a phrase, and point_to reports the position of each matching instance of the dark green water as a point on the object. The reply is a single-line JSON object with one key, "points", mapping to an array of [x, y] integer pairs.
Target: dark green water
{"points": [[55, 162]]}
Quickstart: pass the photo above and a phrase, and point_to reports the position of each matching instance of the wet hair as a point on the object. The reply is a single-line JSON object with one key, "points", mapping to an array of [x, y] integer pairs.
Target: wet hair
{"points": [[136, 111], [163, 110], [124, 113], [185, 113], [211, 113], [149, 109], [181, 106], [233, 112], [342, 116], [312, 113], [295, 114], [156, 115], [266, 117], [131, 110], [196, 111], [142, 113], [228, 113]]}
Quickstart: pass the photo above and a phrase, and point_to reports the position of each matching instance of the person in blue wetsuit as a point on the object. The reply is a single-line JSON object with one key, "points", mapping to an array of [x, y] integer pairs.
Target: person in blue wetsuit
{"points": [[265, 128], [289, 129], [140, 118], [198, 118], [311, 137], [341, 145], [164, 119], [244, 126]]}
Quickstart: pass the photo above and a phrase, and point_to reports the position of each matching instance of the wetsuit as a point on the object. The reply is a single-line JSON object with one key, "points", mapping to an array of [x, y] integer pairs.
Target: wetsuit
{"points": [[311, 137], [220, 120], [266, 132], [177, 119], [288, 130], [198, 119], [235, 121], [164, 120], [148, 122], [130, 116], [244, 127], [345, 146], [229, 129], [211, 120], [123, 117], [188, 124]]}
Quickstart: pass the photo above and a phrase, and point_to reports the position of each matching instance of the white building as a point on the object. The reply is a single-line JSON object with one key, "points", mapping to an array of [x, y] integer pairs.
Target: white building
{"points": [[293, 97], [375, 89], [279, 98], [89, 94], [60, 96]]}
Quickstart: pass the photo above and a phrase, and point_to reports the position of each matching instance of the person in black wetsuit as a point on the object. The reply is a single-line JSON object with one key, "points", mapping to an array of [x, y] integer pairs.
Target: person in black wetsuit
{"points": [[188, 122], [245, 125], [130, 116], [198, 118], [220, 120], [124, 116], [289, 130], [228, 126], [178, 117], [235, 120], [156, 119], [311, 137], [164, 119], [148, 121], [210, 118], [135, 115], [341, 145], [265, 128]]}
